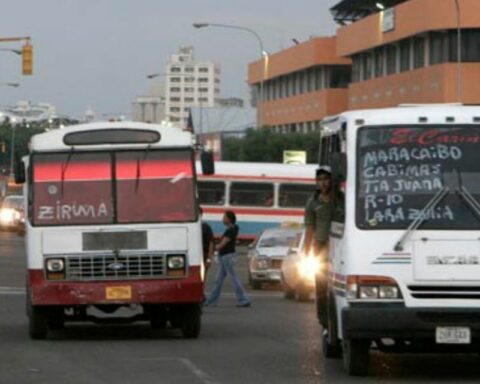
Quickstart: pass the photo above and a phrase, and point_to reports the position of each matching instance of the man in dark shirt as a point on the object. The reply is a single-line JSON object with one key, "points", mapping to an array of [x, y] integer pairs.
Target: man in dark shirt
{"points": [[226, 254]]}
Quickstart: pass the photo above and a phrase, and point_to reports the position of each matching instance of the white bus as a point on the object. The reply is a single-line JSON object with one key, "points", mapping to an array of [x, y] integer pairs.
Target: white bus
{"points": [[263, 195], [112, 221], [404, 258]]}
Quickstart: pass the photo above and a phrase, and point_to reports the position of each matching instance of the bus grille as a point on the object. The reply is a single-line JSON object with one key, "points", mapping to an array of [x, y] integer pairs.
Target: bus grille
{"points": [[276, 264], [111, 267]]}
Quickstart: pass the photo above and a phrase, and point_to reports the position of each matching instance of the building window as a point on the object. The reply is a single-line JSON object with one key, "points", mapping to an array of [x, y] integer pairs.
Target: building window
{"points": [[319, 78], [202, 90], [203, 70], [189, 69], [251, 194], [175, 79], [470, 45], [404, 55], [174, 109], [391, 51], [174, 89], [418, 52], [367, 66], [203, 80], [379, 60], [189, 79], [339, 76], [175, 99], [438, 47], [356, 67], [176, 69], [189, 99], [203, 99], [189, 89], [300, 82]]}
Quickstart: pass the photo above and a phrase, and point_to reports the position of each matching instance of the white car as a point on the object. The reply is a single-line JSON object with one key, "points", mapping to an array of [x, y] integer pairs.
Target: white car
{"points": [[266, 255], [12, 212], [298, 272]]}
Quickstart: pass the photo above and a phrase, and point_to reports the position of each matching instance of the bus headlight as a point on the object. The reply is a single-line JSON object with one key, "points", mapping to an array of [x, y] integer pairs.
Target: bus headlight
{"points": [[372, 288], [55, 265], [176, 262], [262, 263]]}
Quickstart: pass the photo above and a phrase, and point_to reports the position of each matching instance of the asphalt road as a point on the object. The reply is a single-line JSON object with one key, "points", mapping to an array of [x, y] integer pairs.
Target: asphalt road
{"points": [[274, 341]]}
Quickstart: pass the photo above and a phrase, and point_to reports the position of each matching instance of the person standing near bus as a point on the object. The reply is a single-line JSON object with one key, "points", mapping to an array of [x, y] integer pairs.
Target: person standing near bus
{"points": [[318, 216], [226, 255]]}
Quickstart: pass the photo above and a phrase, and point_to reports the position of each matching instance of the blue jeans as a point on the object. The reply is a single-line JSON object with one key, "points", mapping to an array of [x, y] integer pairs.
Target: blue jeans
{"points": [[226, 267]]}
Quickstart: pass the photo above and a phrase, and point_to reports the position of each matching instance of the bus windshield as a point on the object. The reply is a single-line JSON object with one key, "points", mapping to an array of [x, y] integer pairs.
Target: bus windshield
{"points": [[400, 169], [112, 187]]}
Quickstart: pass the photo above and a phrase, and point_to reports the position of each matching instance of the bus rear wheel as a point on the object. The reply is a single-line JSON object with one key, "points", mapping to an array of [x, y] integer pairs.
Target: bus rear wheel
{"points": [[356, 356], [191, 321]]}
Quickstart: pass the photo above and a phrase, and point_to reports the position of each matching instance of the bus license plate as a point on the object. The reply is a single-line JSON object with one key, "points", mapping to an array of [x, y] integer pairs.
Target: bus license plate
{"points": [[123, 292], [453, 335]]}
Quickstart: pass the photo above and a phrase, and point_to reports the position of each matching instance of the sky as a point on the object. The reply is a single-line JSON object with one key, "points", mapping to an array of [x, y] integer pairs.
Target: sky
{"points": [[97, 53]]}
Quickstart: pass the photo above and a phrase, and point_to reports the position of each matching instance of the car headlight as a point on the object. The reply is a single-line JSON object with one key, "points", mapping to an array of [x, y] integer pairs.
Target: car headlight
{"points": [[308, 267], [262, 263], [7, 215], [55, 265], [176, 262]]}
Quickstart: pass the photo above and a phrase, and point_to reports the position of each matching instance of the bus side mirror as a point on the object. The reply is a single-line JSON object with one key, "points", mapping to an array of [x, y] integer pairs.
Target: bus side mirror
{"points": [[19, 171], [208, 165], [339, 166]]}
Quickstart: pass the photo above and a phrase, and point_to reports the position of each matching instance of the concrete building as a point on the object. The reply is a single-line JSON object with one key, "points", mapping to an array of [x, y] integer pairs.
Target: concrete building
{"points": [[385, 53], [189, 83], [149, 109], [301, 85]]}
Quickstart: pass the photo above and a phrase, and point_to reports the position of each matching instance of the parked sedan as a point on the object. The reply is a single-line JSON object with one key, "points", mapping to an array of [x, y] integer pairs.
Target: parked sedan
{"points": [[12, 213], [298, 272], [267, 253]]}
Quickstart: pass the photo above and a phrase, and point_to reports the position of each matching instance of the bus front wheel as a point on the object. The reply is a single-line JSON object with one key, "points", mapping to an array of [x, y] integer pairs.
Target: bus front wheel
{"points": [[356, 356], [37, 322], [191, 322]]}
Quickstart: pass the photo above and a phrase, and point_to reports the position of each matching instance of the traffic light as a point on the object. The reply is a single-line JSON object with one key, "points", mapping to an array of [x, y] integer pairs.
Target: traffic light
{"points": [[27, 59]]}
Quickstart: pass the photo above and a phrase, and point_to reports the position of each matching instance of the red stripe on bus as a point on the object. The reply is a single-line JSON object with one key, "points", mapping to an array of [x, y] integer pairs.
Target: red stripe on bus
{"points": [[256, 211], [98, 170]]}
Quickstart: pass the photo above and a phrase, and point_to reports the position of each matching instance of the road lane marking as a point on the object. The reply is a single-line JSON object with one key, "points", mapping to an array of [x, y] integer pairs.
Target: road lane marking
{"points": [[203, 376], [12, 291]]}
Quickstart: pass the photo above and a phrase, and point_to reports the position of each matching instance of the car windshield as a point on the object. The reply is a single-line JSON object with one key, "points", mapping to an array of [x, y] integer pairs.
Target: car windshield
{"points": [[400, 169], [113, 187], [278, 239]]}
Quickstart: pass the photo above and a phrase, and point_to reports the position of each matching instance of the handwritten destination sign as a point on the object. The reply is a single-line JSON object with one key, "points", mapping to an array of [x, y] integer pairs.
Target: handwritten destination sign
{"points": [[400, 169]]}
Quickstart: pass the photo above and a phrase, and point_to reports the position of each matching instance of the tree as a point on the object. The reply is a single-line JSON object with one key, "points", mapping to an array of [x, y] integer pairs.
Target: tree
{"points": [[264, 145]]}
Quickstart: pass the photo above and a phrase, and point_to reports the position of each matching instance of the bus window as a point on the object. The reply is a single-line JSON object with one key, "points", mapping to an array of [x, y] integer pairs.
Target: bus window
{"points": [[251, 194], [155, 186], [295, 195], [211, 192], [72, 188]]}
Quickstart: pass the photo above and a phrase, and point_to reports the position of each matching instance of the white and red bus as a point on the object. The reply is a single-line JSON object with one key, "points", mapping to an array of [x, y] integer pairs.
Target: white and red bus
{"points": [[263, 195], [112, 222]]}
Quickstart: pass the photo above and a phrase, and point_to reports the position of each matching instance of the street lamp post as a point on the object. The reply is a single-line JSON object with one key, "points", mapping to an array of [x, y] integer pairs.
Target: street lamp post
{"points": [[459, 52], [13, 85], [263, 55], [12, 146]]}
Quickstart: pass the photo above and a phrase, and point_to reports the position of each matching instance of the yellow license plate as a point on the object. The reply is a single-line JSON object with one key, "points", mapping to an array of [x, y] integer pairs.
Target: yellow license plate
{"points": [[123, 292]]}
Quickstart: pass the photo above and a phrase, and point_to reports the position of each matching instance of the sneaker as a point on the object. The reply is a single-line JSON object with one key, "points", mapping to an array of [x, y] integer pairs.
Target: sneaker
{"points": [[244, 305]]}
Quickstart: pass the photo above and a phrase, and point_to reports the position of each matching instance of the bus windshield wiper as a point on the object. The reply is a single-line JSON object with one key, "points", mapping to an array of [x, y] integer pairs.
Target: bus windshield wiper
{"points": [[422, 216], [139, 168], [466, 195], [64, 170]]}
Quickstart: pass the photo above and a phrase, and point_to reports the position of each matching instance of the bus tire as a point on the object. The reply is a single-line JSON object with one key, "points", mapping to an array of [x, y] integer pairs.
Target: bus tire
{"points": [[356, 356], [191, 322], [37, 322]]}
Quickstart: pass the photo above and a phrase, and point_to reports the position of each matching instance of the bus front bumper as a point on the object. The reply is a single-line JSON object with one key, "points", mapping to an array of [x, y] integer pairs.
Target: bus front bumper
{"points": [[399, 322], [188, 289]]}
